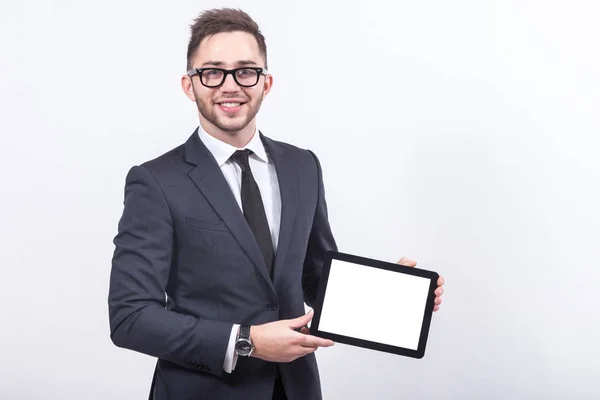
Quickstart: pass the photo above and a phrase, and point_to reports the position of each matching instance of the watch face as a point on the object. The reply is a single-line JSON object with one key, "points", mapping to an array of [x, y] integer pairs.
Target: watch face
{"points": [[243, 347]]}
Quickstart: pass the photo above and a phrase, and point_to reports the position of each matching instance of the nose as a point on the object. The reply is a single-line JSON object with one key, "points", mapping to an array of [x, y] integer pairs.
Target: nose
{"points": [[229, 85]]}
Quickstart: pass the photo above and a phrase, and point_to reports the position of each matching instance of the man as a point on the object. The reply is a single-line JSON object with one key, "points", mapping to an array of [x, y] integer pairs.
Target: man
{"points": [[222, 239]]}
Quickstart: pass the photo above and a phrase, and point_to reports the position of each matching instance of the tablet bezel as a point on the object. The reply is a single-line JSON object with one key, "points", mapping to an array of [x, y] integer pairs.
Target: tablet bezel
{"points": [[388, 266]]}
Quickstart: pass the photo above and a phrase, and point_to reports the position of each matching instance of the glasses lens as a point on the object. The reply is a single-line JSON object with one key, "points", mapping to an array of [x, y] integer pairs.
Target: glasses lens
{"points": [[212, 77], [247, 77]]}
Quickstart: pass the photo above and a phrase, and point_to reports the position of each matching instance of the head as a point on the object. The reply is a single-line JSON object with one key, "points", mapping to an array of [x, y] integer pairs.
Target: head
{"points": [[227, 39]]}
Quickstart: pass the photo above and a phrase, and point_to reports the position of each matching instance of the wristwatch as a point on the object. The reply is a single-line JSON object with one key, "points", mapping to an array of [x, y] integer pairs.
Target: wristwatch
{"points": [[243, 344]]}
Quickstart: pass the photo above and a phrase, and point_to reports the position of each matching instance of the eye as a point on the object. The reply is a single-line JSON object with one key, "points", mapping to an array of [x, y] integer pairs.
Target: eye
{"points": [[245, 72]]}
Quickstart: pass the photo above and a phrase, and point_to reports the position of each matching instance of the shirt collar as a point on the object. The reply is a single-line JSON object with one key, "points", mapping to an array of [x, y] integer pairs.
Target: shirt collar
{"points": [[222, 151]]}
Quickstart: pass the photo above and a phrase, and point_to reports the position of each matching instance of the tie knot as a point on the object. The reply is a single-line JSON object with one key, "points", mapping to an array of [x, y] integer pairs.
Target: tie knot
{"points": [[241, 158]]}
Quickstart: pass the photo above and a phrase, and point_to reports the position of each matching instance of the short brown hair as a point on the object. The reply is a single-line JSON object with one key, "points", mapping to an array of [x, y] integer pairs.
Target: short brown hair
{"points": [[219, 20]]}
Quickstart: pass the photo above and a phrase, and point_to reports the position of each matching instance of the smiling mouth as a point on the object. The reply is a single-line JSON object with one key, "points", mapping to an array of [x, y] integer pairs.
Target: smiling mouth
{"points": [[230, 107]]}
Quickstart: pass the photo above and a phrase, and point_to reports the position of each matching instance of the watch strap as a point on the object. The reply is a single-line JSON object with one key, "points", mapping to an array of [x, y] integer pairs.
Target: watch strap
{"points": [[244, 332]]}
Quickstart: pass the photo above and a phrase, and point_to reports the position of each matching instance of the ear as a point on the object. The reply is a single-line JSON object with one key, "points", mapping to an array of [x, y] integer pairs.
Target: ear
{"points": [[267, 85], [188, 88]]}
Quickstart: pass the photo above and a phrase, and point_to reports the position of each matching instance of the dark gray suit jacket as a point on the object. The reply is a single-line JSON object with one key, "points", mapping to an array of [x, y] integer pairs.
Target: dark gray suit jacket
{"points": [[183, 234]]}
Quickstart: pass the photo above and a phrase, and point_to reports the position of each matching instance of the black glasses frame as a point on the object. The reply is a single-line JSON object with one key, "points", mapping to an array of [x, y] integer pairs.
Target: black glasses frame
{"points": [[233, 72]]}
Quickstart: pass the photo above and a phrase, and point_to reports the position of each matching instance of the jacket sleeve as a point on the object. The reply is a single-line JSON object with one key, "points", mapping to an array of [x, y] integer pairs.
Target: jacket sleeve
{"points": [[144, 251], [321, 241]]}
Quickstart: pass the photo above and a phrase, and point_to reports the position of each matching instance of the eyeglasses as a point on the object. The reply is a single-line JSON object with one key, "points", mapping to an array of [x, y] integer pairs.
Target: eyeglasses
{"points": [[214, 77]]}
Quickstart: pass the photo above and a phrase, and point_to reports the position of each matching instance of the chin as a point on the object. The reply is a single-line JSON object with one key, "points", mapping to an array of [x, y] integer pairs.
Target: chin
{"points": [[233, 127], [226, 124]]}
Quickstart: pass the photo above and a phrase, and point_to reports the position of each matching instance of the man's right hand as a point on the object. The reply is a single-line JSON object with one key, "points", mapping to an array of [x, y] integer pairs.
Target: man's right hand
{"points": [[279, 342]]}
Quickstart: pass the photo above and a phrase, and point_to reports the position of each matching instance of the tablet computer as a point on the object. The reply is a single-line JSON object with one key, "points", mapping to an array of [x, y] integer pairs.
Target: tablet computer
{"points": [[374, 304]]}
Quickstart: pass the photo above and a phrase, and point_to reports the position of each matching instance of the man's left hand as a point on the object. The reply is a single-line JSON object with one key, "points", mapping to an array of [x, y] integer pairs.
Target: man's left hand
{"points": [[407, 262]]}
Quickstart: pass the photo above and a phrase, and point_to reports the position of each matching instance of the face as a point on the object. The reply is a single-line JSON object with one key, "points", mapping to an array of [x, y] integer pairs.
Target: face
{"points": [[229, 108]]}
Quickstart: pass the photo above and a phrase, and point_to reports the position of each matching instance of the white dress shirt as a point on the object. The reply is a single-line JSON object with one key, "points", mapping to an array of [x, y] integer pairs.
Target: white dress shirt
{"points": [[265, 175]]}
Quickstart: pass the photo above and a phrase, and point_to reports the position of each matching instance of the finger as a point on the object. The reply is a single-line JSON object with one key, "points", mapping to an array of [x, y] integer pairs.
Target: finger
{"points": [[314, 341], [436, 307], [300, 351], [302, 321], [439, 291], [303, 351], [305, 331], [407, 262], [438, 301], [310, 350], [440, 281]]}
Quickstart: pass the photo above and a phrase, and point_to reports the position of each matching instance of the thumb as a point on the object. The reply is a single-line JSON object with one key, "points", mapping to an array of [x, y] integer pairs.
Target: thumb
{"points": [[301, 321]]}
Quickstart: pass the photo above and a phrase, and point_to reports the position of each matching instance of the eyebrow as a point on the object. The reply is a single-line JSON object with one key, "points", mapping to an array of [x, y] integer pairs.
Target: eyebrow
{"points": [[221, 63]]}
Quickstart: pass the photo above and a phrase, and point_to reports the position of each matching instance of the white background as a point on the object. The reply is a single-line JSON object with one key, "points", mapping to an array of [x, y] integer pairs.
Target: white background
{"points": [[463, 134]]}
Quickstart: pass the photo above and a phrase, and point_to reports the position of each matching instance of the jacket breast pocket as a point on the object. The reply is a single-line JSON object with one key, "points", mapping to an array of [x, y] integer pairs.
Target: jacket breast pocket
{"points": [[205, 224]]}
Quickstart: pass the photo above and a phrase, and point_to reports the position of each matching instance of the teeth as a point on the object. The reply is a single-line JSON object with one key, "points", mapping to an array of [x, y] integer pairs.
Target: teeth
{"points": [[231, 104]]}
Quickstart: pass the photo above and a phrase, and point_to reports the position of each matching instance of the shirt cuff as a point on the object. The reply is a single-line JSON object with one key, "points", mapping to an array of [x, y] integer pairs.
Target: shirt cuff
{"points": [[230, 356]]}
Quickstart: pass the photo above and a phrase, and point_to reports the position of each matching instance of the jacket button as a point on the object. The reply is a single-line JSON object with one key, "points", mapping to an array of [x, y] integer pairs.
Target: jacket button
{"points": [[272, 306]]}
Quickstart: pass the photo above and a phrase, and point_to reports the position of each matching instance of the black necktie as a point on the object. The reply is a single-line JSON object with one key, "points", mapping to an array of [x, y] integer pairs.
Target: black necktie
{"points": [[254, 210]]}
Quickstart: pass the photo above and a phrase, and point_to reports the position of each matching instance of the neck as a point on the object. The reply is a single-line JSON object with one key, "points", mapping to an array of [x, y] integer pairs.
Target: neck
{"points": [[237, 139]]}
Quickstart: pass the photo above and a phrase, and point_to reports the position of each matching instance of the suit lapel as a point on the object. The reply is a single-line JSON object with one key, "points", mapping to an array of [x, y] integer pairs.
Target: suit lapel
{"points": [[207, 176], [287, 178]]}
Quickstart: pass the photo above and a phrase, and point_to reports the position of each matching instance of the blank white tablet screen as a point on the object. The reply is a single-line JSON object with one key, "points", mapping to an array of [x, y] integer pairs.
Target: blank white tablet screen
{"points": [[374, 304]]}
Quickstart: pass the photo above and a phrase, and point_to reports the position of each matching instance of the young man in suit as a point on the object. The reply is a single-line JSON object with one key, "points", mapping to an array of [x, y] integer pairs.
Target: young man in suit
{"points": [[222, 239]]}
